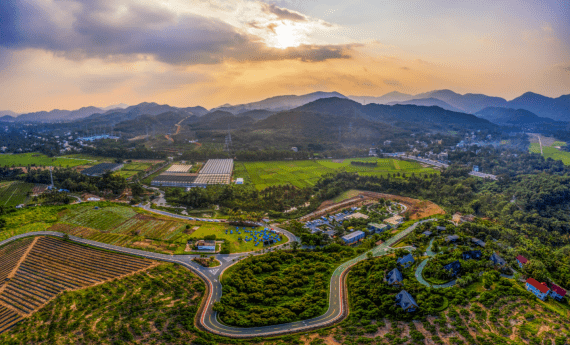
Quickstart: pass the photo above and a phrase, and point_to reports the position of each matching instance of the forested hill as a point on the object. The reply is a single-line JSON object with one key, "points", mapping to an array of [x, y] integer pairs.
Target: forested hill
{"points": [[430, 117]]}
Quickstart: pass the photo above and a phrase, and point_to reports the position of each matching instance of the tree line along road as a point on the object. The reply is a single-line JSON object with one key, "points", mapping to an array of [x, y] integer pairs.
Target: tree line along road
{"points": [[208, 318]]}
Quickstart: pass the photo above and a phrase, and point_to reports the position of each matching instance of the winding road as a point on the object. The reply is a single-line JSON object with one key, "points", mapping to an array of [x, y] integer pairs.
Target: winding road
{"points": [[208, 318]]}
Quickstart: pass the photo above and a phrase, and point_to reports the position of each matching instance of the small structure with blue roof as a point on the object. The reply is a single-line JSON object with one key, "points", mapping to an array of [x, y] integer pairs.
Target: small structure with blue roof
{"points": [[394, 277], [406, 301], [406, 261], [378, 227], [427, 233], [454, 267], [478, 242]]}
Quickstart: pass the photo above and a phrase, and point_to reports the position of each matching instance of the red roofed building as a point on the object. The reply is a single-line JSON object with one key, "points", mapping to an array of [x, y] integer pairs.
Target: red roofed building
{"points": [[557, 292], [539, 290], [521, 260]]}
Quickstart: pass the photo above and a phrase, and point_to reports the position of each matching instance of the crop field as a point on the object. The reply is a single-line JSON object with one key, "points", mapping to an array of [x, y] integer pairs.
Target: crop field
{"points": [[14, 193], [307, 172], [52, 266], [551, 152], [123, 226], [22, 160]]}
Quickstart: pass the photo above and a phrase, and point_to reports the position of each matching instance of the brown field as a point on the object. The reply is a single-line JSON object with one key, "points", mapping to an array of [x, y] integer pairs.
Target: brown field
{"points": [[36, 270], [418, 209]]}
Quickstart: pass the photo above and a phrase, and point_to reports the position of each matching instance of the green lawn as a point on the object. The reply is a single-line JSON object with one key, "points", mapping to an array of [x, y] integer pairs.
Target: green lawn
{"points": [[22, 160], [551, 152], [208, 228], [307, 172]]}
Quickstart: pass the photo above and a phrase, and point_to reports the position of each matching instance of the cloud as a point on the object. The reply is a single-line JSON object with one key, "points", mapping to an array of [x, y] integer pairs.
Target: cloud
{"points": [[404, 68], [128, 31], [95, 84], [392, 82], [283, 13], [567, 68]]}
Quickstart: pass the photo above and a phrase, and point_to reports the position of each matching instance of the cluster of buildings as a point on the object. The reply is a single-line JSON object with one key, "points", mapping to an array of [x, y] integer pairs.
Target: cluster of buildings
{"points": [[541, 289], [387, 224], [395, 278]]}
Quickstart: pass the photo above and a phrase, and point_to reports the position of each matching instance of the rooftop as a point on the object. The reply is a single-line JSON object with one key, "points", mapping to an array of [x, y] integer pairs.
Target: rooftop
{"points": [[353, 235], [558, 289], [541, 287], [522, 259]]}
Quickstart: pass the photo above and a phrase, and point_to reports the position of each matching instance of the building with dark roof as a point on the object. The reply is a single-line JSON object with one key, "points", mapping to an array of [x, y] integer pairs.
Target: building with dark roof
{"points": [[521, 260], [427, 233], [102, 168], [394, 277], [406, 261], [498, 260], [378, 227], [353, 237], [406, 301], [452, 238], [473, 254], [540, 290], [478, 242], [557, 292], [454, 267], [441, 228]]}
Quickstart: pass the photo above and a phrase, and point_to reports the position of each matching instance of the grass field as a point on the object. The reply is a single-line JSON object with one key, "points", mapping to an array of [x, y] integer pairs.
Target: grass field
{"points": [[22, 160], [307, 172], [551, 152], [14, 193]]}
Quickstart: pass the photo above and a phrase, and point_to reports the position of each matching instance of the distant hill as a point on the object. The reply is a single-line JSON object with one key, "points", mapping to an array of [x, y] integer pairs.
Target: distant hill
{"points": [[119, 106], [257, 114], [509, 116], [10, 113], [279, 103], [393, 96], [160, 123], [469, 103], [7, 119], [427, 103], [58, 115], [543, 106], [428, 117], [221, 120]]}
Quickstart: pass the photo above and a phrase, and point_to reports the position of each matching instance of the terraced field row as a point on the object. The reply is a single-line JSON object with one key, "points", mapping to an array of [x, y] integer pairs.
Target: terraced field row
{"points": [[10, 255], [53, 266], [8, 319]]}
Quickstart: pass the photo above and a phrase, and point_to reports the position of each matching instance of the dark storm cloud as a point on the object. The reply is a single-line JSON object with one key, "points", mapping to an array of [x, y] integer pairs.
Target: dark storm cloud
{"points": [[283, 13], [97, 32]]}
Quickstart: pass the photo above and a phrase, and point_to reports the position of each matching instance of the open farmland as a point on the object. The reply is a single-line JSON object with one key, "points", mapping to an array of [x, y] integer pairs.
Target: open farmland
{"points": [[35, 159], [46, 267], [14, 193], [307, 172], [551, 152], [123, 226]]}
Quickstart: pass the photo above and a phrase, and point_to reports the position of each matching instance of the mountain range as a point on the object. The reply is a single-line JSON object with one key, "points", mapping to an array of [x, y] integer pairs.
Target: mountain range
{"points": [[542, 106]]}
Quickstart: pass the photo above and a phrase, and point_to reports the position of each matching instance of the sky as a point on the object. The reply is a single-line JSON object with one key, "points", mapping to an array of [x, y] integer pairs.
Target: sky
{"points": [[67, 54]]}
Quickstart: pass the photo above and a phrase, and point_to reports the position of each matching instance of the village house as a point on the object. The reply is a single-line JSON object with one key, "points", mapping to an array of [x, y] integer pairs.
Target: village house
{"points": [[538, 289]]}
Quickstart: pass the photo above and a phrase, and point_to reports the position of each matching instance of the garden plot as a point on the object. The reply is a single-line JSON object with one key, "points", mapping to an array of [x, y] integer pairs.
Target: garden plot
{"points": [[53, 266], [104, 219]]}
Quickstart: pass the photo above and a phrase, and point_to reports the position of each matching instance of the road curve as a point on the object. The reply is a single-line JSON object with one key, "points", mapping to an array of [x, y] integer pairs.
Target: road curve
{"points": [[208, 318]]}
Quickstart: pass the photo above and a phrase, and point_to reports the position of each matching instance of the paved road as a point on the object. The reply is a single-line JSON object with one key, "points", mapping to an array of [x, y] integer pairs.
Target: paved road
{"points": [[208, 319], [422, 265]]}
